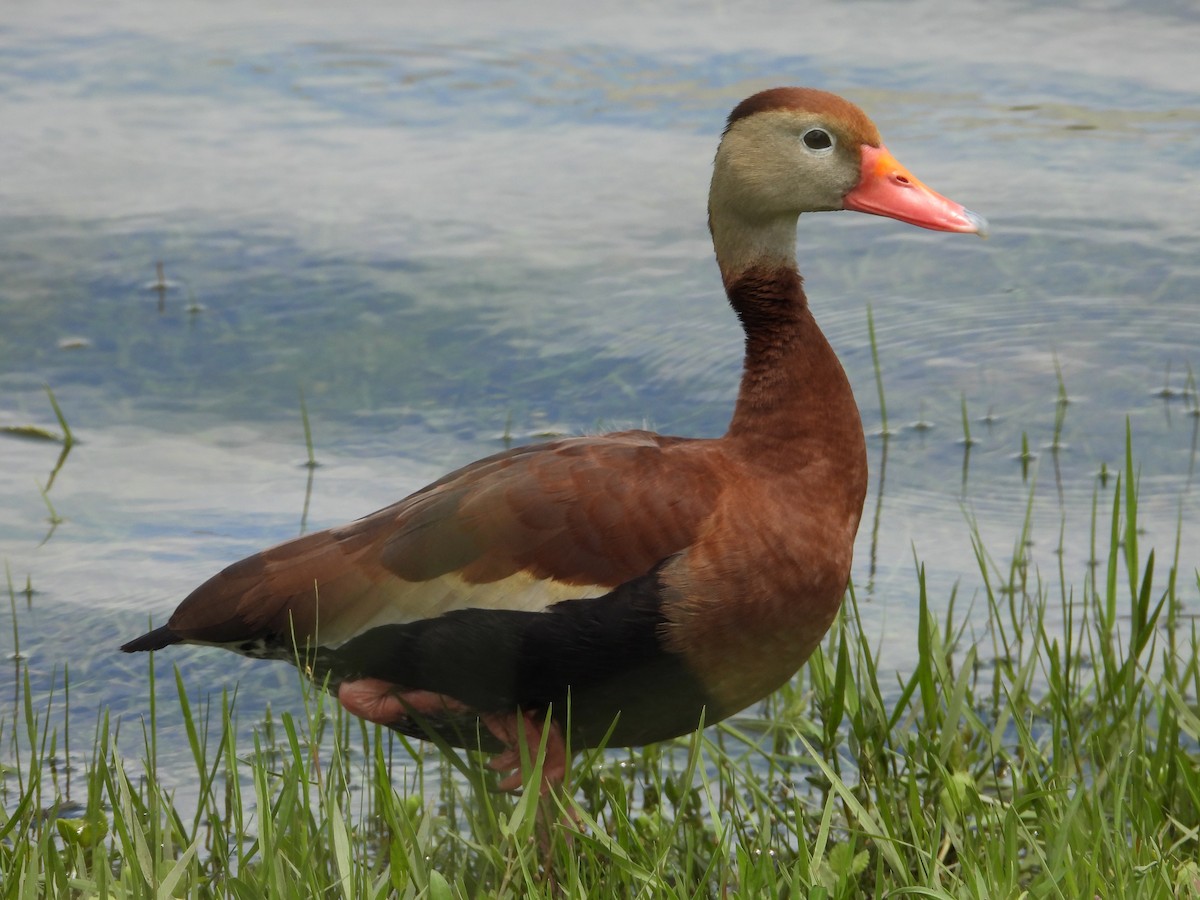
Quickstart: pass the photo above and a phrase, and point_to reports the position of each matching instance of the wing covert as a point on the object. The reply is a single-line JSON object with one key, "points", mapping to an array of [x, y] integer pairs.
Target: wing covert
{"points": [[519, 530]]}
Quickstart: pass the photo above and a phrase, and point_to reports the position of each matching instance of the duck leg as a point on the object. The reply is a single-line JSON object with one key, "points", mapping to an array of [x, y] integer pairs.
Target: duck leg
{"points": [[382, 702], [517, 729]]}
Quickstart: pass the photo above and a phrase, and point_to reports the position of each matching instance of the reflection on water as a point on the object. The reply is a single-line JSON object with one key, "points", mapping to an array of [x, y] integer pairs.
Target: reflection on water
{"points": [[490, 225]]}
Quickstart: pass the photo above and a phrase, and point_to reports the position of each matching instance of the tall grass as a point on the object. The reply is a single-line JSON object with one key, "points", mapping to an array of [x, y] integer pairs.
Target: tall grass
{"points": [[1019, 758]]}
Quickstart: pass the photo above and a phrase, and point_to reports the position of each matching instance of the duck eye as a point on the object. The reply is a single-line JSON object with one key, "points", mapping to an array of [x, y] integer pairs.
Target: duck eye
{"points": [[817, 139]]}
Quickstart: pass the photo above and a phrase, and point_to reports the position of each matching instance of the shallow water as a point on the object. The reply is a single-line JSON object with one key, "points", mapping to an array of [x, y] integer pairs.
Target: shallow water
{"points": [[489, 222]]}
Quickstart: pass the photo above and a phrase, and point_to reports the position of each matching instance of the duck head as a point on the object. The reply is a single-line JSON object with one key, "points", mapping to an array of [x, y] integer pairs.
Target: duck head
{"points": [[788, 151]]}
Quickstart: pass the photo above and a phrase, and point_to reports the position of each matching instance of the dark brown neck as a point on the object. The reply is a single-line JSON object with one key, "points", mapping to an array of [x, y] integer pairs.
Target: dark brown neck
{"points": [[795, 404]]}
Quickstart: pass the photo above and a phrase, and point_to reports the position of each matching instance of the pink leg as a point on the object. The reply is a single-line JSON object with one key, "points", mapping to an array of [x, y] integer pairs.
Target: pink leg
{"points": [[381, 701], [512, 730]]}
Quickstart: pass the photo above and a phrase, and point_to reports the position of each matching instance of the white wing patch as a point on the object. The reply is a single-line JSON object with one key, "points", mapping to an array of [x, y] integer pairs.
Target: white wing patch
{"points": [[404, 602]]}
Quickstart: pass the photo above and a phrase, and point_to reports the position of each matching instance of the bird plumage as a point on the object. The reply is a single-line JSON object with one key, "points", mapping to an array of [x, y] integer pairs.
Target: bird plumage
{"points": [[647, 581]]}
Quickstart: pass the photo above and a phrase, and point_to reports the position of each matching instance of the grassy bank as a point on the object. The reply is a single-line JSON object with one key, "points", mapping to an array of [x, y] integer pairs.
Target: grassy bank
{"points": [[1045, 743]]}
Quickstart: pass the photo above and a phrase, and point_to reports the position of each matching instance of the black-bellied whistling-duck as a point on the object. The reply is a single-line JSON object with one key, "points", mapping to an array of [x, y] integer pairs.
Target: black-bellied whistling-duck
{"points": [[625, 586]]}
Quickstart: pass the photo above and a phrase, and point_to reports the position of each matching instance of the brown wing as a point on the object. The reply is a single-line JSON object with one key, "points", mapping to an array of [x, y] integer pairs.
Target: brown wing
{"points": [[520, 530]]}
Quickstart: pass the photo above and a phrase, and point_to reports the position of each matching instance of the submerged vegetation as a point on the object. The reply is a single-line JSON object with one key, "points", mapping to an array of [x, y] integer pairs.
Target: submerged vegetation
{"points": [[1049, 747]]}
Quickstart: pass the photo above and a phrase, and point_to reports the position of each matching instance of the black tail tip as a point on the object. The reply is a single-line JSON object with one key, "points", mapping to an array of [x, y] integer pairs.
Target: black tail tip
{"points": [[152, 640]]}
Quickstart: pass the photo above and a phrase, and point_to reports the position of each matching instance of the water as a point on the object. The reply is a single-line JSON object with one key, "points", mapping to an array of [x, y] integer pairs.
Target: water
{"points": [[453, 226]]}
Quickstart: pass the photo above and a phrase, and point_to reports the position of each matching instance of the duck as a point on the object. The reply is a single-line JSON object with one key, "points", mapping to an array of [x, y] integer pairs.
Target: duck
{"points": [[616, 589]]}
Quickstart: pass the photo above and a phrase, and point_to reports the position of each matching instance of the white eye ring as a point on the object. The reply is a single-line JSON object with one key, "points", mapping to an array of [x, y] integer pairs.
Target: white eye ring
{"points": [[818, 141]]}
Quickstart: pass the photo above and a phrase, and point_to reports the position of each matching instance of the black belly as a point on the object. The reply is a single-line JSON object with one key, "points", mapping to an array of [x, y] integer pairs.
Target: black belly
{"points": [[598, 665]]}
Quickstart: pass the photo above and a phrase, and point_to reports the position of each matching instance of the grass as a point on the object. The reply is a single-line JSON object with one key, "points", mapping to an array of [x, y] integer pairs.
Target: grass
{"points": [[1020, 758], [38, 433], [883, 428], [66, 439]]}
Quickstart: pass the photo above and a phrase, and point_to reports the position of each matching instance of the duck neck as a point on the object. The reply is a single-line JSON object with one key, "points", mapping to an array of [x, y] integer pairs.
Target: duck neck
{"points": [[743, 244], [795, 404]]}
